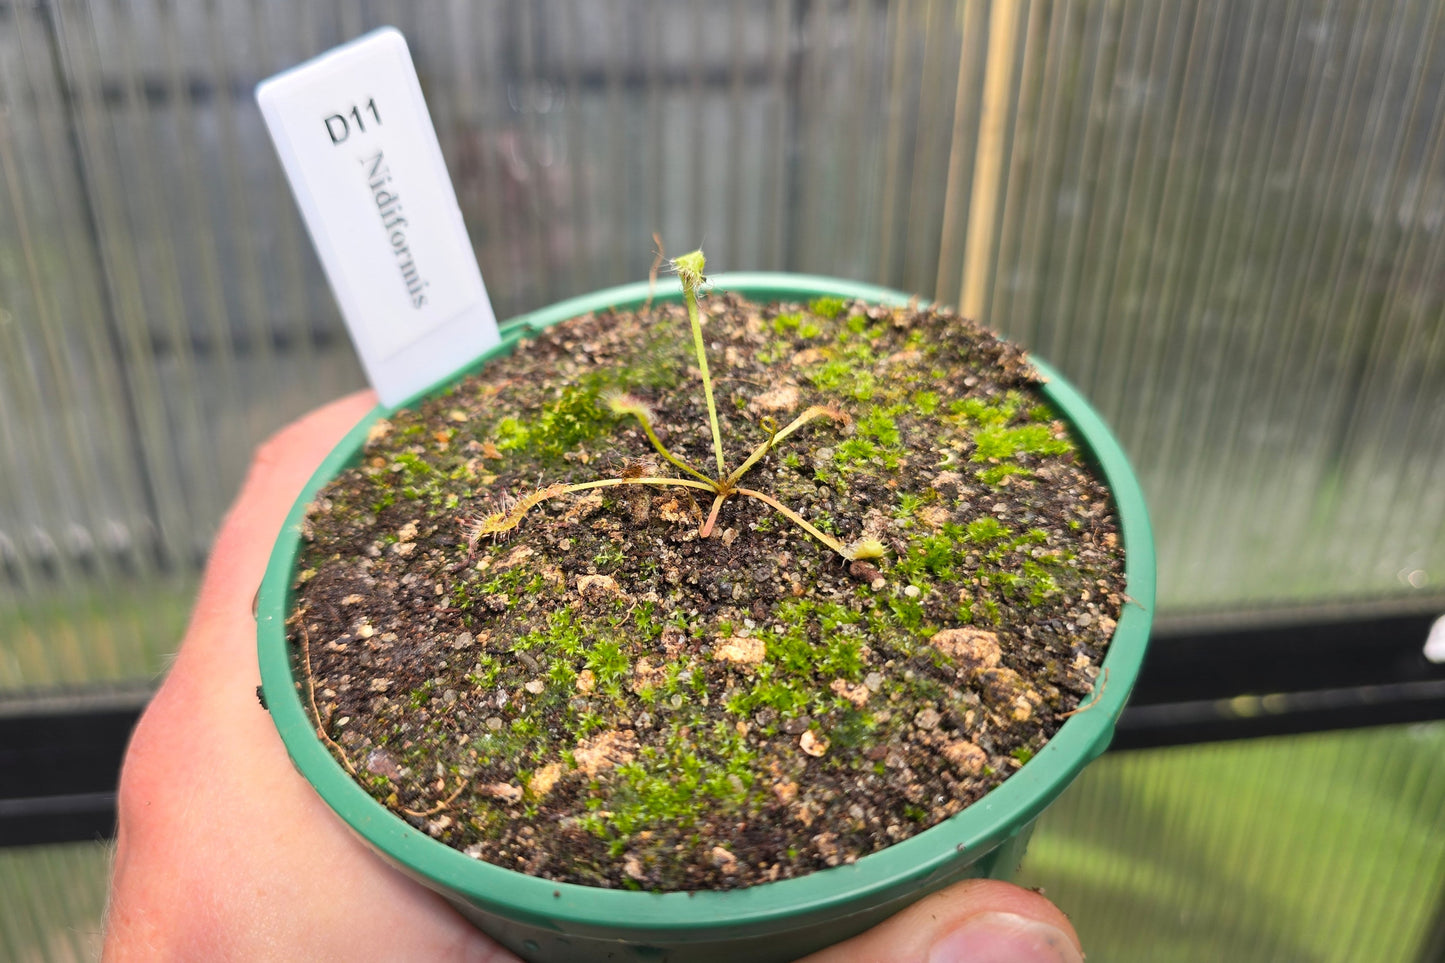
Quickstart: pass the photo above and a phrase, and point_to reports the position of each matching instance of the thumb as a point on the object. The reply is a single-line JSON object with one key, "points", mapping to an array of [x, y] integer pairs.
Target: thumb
{"points": [[279, 470], [976, 921]]}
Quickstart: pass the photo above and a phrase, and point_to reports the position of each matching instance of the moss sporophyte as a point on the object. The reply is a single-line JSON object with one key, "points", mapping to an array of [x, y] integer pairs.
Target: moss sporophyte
{"points": [[724, 484]]}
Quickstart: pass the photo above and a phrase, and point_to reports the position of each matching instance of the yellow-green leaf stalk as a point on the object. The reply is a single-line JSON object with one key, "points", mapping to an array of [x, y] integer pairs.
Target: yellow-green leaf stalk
{"points": [[689, 269], [625, 404]]}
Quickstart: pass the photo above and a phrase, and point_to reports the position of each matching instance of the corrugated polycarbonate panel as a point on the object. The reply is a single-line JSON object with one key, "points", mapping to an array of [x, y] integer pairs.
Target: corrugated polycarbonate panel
{"points": [[52, 902], [1323, 848], [1224, 220]]}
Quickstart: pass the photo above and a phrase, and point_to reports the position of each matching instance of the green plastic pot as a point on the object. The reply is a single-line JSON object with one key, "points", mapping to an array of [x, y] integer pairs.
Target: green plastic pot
{"points": [[543, 920]]}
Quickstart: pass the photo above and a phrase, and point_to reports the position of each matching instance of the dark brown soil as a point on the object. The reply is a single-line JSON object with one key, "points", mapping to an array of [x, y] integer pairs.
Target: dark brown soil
{"points": [[606, 698]]}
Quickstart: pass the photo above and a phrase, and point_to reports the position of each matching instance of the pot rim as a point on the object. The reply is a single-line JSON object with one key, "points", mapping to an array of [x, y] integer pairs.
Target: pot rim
{"points": [[973, 832]]}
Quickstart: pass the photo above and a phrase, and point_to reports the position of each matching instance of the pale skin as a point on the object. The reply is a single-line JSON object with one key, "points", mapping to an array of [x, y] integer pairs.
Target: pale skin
{"points": [[224, 853]]}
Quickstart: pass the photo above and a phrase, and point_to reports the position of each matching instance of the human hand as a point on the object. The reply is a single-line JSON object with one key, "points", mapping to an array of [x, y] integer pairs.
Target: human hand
{"points": [[224, 852]]}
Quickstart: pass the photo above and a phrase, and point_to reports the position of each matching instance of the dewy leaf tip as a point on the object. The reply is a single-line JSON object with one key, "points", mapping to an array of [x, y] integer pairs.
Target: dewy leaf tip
{"points": [[689, 268]]}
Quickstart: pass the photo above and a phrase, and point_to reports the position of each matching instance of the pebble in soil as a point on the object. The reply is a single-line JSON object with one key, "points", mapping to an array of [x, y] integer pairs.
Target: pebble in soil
{"points": [[606, 698]]}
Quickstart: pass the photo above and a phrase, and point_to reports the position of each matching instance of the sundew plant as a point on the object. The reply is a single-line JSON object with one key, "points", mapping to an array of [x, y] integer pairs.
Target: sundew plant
{"points": [[722, 485]]}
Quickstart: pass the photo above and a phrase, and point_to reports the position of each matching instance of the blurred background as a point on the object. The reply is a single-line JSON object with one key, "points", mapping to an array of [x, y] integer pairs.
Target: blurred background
{"points": [[1225, 221]]}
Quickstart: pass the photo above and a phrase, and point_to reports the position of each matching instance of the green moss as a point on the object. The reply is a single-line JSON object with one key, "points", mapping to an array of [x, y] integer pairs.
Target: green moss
{"points": [[987, 530], [1039, 582], [512, 586], [842, 378], [510, 434], [414, 477], [610, 556], [784, 323], [855, 454], [995, 474], [412, 467], [860, 354], [378, 786], [590, 722], [792, 652], [996, 442], [575, 417], [907, 612], [840, 649], [908, 505], [798, 662], [674, 785], [986, 414], [421, 695], [933, 555], [879, 425], [1011, 583], [831, 376], [485, 672], [515, 583], [563, 635], [610, 665], [644, 618], [926, 402], [766, 691], [526, 727], [828, 308], [775, 351], [561, 674]]}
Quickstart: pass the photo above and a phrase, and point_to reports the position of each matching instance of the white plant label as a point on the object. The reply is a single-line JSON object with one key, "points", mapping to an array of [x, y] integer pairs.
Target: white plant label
{"points": [[353, 133]]}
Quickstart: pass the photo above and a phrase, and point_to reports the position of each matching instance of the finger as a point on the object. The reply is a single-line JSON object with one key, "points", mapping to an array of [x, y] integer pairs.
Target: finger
{"points": [[214, 678], [976, 921], [215, 674], [220, 843], [208, 700], [279, 469]]}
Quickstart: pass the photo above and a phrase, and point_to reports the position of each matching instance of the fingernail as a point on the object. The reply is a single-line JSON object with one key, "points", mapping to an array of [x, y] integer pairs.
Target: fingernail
{"points": [[1004, 938]]}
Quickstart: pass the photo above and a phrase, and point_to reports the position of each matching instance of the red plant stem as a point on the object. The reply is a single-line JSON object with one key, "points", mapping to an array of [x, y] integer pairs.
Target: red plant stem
{"points": [[706, 529]]}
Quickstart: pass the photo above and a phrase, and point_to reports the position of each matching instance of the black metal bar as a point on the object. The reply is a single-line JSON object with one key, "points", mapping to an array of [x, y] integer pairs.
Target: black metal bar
{"points": [[1278, 714], [1291, 656], [70, 818], [1291, 677], [1283, 677], [60, 759]]}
